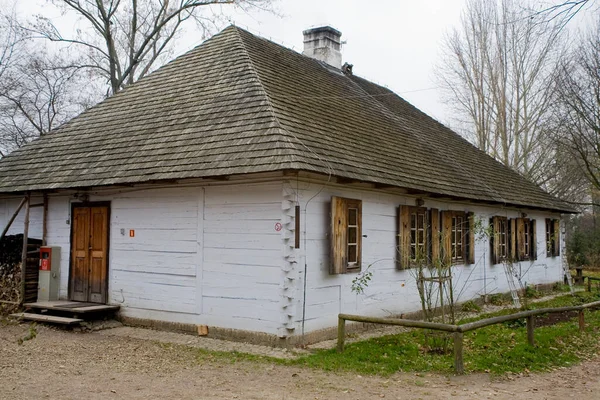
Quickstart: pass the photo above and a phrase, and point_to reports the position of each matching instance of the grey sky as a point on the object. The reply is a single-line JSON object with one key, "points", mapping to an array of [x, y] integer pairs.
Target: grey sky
{"points": [[395, 43]]}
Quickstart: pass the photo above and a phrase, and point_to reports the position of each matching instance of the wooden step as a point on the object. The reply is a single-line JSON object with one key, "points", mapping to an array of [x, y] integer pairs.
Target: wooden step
{"points": [[47, 318], [72, 307]]}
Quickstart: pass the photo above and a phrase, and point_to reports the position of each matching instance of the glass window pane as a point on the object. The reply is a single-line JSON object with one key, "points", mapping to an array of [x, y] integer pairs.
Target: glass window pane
{"points": [[413, 221], [352, 250], [413, 237], [352, 213], [421, 238], [352, 235], [421, 221]]}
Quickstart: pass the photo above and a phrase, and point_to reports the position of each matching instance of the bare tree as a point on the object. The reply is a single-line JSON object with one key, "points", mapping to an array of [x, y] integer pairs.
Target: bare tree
{"points": [[39, 89], [497, 75], [563, 11], [578, 108], [124, 40]]}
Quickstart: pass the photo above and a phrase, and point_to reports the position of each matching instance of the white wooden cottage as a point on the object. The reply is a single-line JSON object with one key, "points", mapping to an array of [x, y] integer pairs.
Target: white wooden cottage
{"points": [[243, 186]]}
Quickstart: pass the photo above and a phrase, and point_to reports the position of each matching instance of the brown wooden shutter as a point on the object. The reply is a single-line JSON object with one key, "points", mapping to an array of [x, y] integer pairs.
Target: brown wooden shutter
{"points": [[533, 240], [556, 238], [512, 237], [470, 238], [434, 219], [339, 230], [520, 239], [549, 239], [403, 259], [494, 239], [446, 221]]}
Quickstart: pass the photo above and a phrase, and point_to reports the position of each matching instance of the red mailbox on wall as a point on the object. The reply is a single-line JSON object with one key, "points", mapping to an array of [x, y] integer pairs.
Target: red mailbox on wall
{"points": [[45, 258]]}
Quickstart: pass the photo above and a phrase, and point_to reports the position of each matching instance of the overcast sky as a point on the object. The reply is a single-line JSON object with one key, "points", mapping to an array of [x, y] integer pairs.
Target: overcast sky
{"points": [[395, 43]]}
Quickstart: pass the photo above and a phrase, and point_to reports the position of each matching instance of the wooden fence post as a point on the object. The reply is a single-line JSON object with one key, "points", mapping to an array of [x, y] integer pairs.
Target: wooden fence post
{"points": [[530, 328], [341, 334], [589, 285], [459, 367], [581, 321]]}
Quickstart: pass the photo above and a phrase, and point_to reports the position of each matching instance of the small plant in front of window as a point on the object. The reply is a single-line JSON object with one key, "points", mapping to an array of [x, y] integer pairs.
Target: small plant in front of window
{"points": [[361, 281]]}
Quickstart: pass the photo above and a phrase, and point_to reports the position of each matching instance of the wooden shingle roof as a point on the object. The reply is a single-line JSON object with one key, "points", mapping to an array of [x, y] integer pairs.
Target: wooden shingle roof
{"points": [[241, 104]]}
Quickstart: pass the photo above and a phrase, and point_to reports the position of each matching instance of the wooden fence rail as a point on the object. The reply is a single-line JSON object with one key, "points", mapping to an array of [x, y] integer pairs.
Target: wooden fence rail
{"points": [[459, 330]]}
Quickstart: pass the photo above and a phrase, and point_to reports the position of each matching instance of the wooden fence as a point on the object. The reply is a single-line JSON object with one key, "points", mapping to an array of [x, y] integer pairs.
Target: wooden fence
{"points": [[459, 330]]}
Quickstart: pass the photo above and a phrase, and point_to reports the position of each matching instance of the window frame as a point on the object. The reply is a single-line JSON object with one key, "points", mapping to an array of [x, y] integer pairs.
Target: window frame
{"points": [[340, 235], [458, 255], [552, 237], [500, 239], [406, 256], [449, 236], [526, 239]]}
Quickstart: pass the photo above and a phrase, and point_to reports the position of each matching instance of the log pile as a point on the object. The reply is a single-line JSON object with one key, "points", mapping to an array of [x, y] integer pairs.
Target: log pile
{"points": [[11, 248]]}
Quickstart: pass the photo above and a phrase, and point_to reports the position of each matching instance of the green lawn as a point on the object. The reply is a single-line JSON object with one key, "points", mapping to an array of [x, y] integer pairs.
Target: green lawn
{"points": [[497, 349]]}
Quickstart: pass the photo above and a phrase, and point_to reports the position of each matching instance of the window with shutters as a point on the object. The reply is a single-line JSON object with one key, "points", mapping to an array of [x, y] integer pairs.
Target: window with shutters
{"points": [[418, 232], [552, 237], [500, 239], [457, 238], [526, 239], [458, 241], [527, 242], [346, 236]]}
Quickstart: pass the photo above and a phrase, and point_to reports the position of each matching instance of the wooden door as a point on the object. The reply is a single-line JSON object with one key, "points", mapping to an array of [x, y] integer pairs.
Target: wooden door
{"points": [[89, 251]]}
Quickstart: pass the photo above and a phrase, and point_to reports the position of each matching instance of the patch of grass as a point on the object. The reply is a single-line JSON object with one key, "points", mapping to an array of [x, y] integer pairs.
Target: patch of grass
{"points": [[470, 306], [559, 287], [497, 349], [498, 299], [31, 334], [532, 293], [591, 272]]}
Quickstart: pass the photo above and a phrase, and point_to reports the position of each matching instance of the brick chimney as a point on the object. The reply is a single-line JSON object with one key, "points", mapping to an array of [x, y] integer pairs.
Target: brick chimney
{"points": [[324, 44]]}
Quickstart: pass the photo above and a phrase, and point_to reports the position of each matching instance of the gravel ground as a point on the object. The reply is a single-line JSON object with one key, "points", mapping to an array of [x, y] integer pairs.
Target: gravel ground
{"points": [[201, 342], [65, 365]]}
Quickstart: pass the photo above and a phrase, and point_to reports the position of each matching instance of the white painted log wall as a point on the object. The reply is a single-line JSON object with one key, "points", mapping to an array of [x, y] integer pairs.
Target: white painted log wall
{"points": [[392, 291], [210, 255], [202, 255], [242, 257]]}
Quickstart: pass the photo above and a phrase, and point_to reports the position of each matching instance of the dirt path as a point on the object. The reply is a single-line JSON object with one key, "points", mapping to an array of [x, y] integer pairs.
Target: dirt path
{"points": [[64, 365]]}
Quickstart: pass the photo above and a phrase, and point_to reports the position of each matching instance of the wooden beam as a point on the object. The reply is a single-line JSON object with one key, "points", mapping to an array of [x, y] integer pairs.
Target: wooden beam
{"points": [[24, 254], [45, 221], [346, 181], [409, 323], [11, 220], [297, 227]]}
